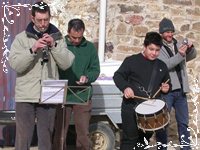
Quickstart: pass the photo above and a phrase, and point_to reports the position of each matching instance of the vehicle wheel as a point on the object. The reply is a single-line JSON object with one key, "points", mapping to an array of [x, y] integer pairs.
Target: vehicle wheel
{"points": [[102, 137]]}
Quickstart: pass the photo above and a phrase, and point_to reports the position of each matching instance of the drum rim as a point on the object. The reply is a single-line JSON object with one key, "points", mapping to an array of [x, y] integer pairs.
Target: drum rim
{"points": [[165, 106]]}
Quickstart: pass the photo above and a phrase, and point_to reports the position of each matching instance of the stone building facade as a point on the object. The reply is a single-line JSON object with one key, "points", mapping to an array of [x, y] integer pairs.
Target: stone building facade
{"points": [[127, 22]]}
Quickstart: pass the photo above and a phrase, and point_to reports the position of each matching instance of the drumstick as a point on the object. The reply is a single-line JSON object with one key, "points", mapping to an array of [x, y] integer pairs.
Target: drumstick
{"points": [[159, 89], [139, 97]]}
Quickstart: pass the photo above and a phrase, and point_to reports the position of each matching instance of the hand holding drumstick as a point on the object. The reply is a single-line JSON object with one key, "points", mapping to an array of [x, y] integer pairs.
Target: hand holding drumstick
{"points": [[164, 88], [128, 93]]}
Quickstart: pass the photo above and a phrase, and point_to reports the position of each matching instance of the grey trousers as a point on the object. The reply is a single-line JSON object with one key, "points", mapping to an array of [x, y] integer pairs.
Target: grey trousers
{"points": [[27, 114]]}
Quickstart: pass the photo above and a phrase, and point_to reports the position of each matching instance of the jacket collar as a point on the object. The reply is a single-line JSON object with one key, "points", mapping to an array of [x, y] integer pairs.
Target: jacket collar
{"points": [[31, 32], [83, 42], [174, 42]]}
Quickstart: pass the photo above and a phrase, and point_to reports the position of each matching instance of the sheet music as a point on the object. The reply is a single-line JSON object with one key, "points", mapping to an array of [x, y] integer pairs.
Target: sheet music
{"points": [[53, 91]]}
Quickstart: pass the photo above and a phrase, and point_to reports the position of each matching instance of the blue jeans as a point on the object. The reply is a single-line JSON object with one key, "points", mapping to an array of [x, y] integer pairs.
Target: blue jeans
{"points": [[178, 100]]}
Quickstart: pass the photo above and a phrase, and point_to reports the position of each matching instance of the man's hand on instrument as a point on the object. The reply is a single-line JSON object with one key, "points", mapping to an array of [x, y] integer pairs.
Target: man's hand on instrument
{"points": [[38, 45], [128, 93], [165, 87], [48, 39], [42, 42]]}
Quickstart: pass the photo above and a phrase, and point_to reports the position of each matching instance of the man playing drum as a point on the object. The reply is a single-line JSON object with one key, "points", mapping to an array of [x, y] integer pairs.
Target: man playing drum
{"points": [[140, 77]]}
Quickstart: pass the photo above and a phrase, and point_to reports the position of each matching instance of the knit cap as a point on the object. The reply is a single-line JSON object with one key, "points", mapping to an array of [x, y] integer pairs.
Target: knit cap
{"points": [[166, 25]]}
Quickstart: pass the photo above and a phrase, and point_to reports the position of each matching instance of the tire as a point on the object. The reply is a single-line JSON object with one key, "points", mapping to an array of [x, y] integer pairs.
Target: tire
{"points": [[101, 136]]}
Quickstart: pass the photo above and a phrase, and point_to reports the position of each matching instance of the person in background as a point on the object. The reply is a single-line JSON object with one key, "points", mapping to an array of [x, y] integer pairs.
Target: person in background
{"points": [[35, 55], [84, 70], [133, 78], [175, 55]]}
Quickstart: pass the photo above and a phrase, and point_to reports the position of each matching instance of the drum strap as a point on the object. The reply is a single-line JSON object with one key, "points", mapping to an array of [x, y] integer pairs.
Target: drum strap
{"points": [[152, 79]]}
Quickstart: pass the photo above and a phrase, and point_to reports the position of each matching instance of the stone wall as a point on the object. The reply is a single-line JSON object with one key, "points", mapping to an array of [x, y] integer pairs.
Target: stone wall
{"points": [[128, 21]]}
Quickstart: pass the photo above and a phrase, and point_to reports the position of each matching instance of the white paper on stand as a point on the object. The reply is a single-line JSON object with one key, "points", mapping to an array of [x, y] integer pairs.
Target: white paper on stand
{"points": [[54, 91]]}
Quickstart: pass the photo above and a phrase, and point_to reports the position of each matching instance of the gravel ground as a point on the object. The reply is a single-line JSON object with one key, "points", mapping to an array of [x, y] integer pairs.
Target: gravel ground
{"points": [[152, 147]]}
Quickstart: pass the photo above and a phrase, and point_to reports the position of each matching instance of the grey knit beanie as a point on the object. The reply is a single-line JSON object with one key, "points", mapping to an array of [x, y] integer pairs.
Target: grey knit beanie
{"points": [[166, 25]]}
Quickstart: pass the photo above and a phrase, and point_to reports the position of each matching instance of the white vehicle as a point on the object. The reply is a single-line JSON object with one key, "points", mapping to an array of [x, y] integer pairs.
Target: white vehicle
{"points": [[106, 110]]}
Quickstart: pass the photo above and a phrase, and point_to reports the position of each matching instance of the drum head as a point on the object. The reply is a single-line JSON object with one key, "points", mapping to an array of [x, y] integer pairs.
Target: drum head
{"points": [[150, 106]]}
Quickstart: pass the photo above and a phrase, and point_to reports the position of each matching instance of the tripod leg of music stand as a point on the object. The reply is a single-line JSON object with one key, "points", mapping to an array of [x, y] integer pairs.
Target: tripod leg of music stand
{"points": [[63, 132], [59, 129]]}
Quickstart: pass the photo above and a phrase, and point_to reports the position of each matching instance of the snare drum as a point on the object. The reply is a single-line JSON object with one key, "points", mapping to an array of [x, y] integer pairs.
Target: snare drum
{"points": [[152, 115]]}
